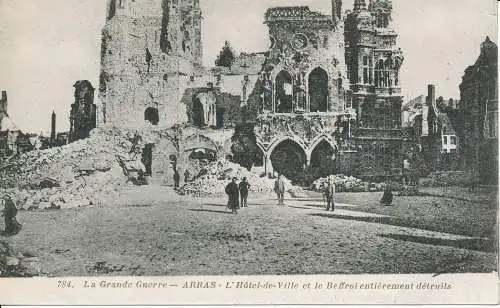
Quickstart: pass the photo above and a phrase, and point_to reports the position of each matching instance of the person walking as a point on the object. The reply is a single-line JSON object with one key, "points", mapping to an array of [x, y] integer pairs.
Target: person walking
{"points": [[232, 192], [186, 176], [330, 194], [177, 178], [279, 189], [244, 187], [9, 213]]}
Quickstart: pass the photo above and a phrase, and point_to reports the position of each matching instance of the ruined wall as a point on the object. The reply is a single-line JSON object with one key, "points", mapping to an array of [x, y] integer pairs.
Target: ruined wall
{"points": [[149, 56]]}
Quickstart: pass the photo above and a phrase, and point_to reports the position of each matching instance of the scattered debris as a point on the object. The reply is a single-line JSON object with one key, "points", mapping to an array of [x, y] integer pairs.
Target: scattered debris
{"points": [[345, 183]]}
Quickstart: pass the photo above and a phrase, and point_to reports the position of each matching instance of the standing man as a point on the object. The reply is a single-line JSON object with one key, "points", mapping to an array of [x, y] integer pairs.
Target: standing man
{"points": [[244, 187], [147, 158], [232, 192], [330, 194], [9, 213], [279, 189], [177, 178], [186, 176]]}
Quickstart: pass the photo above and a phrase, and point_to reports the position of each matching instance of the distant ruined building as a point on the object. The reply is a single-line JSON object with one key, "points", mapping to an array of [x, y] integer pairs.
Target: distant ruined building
{"points": [[83, 111], [324, 98], [476, 119]]}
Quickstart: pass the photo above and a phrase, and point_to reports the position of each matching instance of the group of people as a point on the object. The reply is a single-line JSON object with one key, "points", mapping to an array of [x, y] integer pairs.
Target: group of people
{"points": [[237, 194]]}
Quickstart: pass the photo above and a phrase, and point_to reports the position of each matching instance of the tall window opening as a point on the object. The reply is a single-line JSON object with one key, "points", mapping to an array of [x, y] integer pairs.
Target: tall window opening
{"points": [[318, 90], [283, 92]]}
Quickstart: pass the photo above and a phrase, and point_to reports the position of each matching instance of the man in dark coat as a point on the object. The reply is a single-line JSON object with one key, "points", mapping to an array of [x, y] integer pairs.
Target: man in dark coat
{"points": [[186, 176], [177, 178], [387, 197], [244, 187], [147, 158], [232, 192], [329, 192], [9, 213]]}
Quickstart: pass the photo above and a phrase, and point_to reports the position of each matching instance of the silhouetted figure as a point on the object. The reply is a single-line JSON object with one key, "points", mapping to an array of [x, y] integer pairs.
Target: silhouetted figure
{"points": [[147, 158], [387, 197], [9, 213], [177, 178], [186, 176], [232, 192], [244, 187]]}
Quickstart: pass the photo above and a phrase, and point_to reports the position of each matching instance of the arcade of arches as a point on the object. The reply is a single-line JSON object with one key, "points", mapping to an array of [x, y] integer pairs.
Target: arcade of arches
{"points": [[296, 162]]}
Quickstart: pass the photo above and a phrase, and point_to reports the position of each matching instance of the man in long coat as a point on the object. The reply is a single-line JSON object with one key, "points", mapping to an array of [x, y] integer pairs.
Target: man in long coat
{"points": [[279, 189], [330, 194], [244, 187], [233, 193]]}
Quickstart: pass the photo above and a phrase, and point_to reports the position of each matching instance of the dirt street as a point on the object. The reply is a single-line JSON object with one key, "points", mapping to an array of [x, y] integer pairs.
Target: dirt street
{"points": [[201, 237]]}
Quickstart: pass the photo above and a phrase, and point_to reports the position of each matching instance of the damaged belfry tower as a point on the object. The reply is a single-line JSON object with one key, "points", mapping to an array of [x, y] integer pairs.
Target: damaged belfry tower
{"points": [[150, 51]]}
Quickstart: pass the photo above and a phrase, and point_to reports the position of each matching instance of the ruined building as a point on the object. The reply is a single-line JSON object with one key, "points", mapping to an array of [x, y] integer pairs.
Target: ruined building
{"points": [[12, 139], [324, 98], [476, 120], [151, 52], [3, 107], [83, 111]]}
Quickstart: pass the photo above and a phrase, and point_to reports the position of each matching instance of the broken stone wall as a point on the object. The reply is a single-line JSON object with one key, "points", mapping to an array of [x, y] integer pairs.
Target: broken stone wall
{"points": [[136, 73]]}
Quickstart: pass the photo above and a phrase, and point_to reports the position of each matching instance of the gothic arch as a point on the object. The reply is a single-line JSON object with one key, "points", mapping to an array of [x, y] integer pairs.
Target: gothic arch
{"points": [[273, 144], [325, 138], [288, 157]]}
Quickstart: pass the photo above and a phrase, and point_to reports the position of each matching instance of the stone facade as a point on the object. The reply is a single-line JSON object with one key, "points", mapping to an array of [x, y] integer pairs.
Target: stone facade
{"points": [[83, 112], [331, 82]]}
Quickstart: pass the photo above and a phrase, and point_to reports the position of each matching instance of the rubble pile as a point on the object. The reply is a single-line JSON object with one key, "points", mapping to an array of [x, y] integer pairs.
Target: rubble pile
{"points": [[213, 178], [345, 183], [448, 178], [81, 173]]}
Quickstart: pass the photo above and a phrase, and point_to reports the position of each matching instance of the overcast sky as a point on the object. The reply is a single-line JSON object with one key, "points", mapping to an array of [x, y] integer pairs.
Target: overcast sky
{"points": [[46, 45]]}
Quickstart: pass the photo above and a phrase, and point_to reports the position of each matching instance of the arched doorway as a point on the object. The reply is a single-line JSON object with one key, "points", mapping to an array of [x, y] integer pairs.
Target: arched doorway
{"points": [[318, 90], [288, 158], [151, 115], [323, 160], [283, 98]]}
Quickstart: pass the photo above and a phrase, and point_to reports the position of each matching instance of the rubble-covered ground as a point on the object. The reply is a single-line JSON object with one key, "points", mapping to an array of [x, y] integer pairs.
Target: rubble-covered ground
{"points": [[85, 172], [161, 233]]}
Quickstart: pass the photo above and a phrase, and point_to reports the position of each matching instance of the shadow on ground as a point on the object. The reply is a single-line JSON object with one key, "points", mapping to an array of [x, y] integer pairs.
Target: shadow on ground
{"points": [[484, 245], [212, 211]]}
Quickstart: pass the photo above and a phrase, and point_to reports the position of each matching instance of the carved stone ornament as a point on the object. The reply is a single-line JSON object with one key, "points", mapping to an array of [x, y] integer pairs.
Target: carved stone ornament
{"points": [[299, 41]]}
